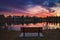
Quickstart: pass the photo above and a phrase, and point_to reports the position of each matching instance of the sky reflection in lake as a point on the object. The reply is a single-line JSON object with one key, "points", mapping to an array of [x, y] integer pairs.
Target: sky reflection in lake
{"points": [[43, 24]]}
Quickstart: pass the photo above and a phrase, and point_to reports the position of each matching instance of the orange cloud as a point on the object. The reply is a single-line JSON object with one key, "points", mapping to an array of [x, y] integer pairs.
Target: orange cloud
{"points": [[27, 14]]}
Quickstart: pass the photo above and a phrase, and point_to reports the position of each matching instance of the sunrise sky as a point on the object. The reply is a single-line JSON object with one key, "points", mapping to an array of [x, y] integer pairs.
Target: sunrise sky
{"points": [[39, 8]]}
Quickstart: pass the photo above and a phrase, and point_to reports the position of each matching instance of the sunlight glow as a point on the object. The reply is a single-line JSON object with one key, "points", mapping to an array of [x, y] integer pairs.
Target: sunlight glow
{"points": [[57, 10]]}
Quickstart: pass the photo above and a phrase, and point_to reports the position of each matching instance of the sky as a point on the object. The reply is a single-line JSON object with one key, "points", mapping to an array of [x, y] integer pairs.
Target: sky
{"points": [[39, 8]]}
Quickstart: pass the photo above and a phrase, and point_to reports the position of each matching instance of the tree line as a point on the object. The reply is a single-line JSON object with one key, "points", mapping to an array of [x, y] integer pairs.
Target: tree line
{"points": [[24, 19]]}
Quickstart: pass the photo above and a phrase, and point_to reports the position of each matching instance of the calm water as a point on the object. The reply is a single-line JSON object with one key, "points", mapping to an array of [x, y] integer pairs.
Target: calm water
{"points": [[17, 27]]}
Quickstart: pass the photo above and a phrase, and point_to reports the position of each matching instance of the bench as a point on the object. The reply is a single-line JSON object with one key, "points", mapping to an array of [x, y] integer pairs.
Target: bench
{"points": [[31, 30]]}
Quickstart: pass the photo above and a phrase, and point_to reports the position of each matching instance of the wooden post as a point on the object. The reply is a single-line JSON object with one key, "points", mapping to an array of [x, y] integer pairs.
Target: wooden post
{"points": [[38, 31], [23, 32]]}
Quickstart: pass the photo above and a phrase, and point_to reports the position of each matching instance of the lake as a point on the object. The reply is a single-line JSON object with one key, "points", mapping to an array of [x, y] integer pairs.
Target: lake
{"points": [[17, 26]]}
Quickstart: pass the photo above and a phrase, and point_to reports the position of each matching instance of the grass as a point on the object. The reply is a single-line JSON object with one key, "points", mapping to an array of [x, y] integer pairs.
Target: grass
{"points": [[8, 35], [48, 35]]}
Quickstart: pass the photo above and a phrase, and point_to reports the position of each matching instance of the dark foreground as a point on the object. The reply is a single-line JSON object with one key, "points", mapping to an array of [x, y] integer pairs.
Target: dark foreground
{"points": [[13, 35]]}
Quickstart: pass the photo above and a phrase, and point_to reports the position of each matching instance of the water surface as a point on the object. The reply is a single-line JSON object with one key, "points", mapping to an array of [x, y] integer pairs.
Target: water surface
{"points": [[17, 27]]}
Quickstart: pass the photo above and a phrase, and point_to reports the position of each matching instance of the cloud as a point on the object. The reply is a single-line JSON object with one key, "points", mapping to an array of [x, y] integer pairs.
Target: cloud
{"points": [[36, 9], [22, 5]]}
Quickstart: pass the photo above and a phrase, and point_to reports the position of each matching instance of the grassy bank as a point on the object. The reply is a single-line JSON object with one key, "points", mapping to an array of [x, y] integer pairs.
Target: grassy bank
{"points": [[48, 35], [8, 35]]}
